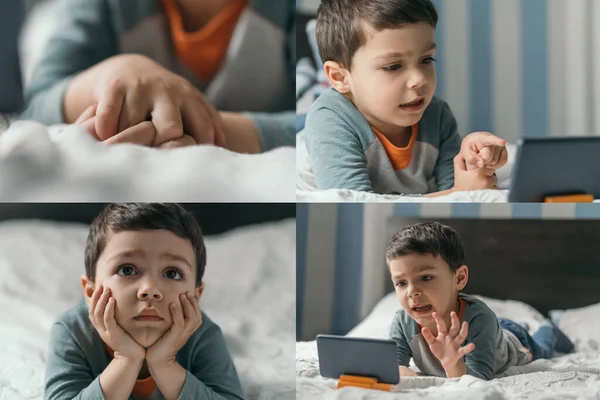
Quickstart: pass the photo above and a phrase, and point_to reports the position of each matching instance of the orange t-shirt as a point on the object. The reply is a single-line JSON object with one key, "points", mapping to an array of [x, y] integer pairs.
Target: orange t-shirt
{"points": [[400, 157], [202, 51]]}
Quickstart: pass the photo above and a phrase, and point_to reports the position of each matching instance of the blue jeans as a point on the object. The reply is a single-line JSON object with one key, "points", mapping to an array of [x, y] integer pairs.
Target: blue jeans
{"points": [[541, 344]]}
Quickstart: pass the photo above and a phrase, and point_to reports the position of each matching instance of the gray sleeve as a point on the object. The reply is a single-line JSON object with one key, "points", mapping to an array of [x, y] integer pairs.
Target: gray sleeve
{"points": [[483, 332], [276, 129], [213, 374], [397, 335], [449, 147], [336, 152], [68, 376], [83, 37]]}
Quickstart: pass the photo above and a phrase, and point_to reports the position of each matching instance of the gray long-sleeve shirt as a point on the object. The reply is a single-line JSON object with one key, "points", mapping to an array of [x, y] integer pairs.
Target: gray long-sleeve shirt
{"points": [[257, 76], [77, 356], [495, 349]]}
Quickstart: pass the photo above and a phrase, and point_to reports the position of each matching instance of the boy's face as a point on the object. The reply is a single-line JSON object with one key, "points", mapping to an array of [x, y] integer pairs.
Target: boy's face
{"points": [[425, 284], [393, 68], [145, 269]]}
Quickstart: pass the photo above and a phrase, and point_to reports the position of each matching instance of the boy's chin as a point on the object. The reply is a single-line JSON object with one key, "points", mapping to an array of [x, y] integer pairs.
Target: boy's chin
{"points": [[147, 339]]}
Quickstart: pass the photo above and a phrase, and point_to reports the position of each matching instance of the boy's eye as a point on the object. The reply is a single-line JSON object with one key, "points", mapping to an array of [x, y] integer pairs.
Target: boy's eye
{"points": [[428, 60], [126, 270], [400, 284], [426, 277], [392, 67], [173, 274]]}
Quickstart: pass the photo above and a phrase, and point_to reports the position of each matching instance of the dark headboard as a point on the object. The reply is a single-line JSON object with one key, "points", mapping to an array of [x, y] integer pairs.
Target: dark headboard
{"points": [[548, 264], [213, 218]]}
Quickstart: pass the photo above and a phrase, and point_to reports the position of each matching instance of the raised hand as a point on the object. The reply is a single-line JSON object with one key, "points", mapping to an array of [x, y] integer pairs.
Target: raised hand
{"points": [[447, 345]]}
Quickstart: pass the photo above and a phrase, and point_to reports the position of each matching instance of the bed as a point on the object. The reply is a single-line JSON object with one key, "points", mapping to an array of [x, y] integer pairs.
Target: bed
{"points": [[556, 272], [41, 261]]}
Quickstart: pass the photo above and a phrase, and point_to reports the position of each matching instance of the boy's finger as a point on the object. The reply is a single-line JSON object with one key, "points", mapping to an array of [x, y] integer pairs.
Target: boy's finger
{"points": [[134, 111], [462, 335], [455, 323], [428, 336], [101, 308], [109, 111], [87, 114], [199, 122], [188, 308], [90, 126], [143, 134], [487, 139], [166, 117], [184, 141], [459, 163], [441, 325], [466, 349], [177, 313], [94, 300], [217, 122], [109, 315]]}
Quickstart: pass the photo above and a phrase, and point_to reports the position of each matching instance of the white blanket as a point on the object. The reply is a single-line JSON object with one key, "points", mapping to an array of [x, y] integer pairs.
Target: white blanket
{"points": [[572, 376], [63, 163], [247, 269]]}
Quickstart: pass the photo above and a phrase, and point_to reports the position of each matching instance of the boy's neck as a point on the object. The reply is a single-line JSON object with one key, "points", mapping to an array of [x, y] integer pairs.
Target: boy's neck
{"points": [[195, 14], [144, 372], [399, 137]]}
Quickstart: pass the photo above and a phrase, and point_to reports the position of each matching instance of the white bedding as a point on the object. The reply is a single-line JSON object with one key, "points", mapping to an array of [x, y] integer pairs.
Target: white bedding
{"points": [[63, 163], [572, 376], [250, 293]]}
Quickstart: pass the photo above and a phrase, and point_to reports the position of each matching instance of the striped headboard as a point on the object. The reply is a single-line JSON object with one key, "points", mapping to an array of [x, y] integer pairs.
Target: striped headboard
{"points": [[513, 68], [340, 272]]}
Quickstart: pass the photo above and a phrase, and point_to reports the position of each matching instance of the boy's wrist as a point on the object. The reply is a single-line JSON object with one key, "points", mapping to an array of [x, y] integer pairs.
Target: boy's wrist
{"points": [[455, 370]]}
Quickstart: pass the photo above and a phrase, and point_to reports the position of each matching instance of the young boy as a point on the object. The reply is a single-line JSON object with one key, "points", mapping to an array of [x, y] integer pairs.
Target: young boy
{"points": [[380, 128], [153, 71], [427, 266], [140, 334]]}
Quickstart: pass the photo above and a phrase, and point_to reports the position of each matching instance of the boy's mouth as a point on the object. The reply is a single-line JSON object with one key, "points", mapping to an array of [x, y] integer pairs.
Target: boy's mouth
{"points": [[422, 308], [413, 106]]}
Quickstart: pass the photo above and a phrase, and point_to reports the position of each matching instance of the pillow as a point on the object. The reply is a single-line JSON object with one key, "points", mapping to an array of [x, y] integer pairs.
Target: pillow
{"points": [[581, 325]]}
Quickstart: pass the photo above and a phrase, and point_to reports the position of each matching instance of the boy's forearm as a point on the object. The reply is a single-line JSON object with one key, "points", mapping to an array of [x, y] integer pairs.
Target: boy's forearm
{"points": [[169, 378], [405, 371], [118, 379], [456, 371], [241, 135], [441, 193]]}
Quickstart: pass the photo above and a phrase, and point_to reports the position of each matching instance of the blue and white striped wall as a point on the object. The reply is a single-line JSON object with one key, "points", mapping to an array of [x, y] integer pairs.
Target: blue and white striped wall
{"points": [[518, 67], [340, 264]]}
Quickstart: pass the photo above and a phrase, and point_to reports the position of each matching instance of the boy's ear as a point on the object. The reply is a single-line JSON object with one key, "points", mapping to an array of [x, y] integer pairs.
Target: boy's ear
{"points": [[337, 75], [198, 291], [88, 287], [462, 277]]}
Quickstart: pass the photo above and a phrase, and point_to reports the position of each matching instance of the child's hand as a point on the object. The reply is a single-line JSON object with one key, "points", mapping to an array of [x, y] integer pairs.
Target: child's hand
{"points": [[102, 316], [476, 179], [143, 134], [447, 345], [482, 149], [186, 319], [130, 89]]}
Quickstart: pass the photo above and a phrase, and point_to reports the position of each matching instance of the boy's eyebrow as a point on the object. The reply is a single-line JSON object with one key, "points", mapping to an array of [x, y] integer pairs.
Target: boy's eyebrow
{"points": [[175, 257], [399, 54], [164, 256], [420, 269]]}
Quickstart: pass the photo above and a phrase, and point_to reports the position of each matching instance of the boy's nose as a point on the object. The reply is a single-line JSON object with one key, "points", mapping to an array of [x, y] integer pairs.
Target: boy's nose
{"points": [[150, 293], [417, 79]]}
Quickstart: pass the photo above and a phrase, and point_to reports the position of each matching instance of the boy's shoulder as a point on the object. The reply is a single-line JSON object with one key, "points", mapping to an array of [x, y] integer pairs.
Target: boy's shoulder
{"points": [[333, 110], [476, 309]]}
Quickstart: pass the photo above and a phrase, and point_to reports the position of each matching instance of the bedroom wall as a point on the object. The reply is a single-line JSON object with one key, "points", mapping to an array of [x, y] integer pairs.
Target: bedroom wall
{"points": [[513, 68], [340, 260]]}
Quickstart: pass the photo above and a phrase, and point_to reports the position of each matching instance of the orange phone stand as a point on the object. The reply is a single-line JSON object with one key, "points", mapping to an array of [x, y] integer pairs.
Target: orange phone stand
{"points": [[570, 198], [363, 382]]}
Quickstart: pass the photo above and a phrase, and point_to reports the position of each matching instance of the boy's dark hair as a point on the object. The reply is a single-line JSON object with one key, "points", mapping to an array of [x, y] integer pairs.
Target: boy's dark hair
{"points": [[339, 23], [144, 216], [428, 238]]}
